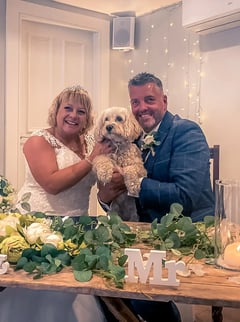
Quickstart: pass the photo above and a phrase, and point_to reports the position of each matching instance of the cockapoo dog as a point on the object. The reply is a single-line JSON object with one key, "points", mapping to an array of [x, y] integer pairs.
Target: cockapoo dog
{"points": [[118, 125]]}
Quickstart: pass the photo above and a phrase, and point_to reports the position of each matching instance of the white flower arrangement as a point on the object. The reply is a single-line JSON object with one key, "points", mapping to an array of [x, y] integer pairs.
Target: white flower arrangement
{"points": [[18, 232], [149, 142]]}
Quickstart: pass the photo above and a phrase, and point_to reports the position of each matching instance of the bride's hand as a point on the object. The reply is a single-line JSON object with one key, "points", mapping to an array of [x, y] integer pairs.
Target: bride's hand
{"points": [[108, 192], [103, 147]]}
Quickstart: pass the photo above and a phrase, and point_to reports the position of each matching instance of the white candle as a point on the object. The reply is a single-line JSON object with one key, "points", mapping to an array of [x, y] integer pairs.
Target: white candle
{"points": [[232, 255]]}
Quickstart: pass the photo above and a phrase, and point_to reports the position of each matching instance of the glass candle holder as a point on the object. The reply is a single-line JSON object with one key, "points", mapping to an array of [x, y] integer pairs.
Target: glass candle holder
{"points": [[227, 224]]}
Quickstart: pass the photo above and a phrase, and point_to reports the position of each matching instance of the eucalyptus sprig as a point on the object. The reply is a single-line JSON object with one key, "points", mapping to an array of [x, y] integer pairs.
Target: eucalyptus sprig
{"points": [[92, 246], [95, 245], [178, 234]]}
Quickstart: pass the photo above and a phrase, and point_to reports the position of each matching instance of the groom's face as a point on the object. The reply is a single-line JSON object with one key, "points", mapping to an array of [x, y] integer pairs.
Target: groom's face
{"points": [[149, 105]]}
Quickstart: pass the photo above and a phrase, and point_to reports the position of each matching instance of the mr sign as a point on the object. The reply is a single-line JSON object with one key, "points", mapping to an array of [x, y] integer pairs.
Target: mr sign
{"points": [[154, 262]]}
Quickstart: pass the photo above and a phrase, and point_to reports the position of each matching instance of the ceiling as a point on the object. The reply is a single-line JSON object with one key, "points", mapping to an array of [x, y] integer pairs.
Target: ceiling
{"points": [[112, 7]]}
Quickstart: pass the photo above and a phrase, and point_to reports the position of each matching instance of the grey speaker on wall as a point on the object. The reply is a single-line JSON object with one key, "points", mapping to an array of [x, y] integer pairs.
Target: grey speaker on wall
{"points": [[123, 33]]}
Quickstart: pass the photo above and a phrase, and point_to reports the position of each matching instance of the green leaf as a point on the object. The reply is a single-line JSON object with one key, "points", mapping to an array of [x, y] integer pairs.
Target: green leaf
{"points": [[21, 262], [86, 251], [125, 227], [117, 271], [199, 254], [103, 251], [39, 214], [176, 209], [122, 260], [103, 263], [162, 231], [209, 221], [49, 249], [154, 224], [29, 267], [29, 252], [25, 197], [25, 206], [169, 243], [78, 263], [175, 239], [37, 259], [64, 257], [82, 276], [69, 232], [68, 222], [102, 234], [89, 237], [91, 261], [185, 224], [167, 220], [117, 235], [115, 219], [103, 219], [85, 220]]}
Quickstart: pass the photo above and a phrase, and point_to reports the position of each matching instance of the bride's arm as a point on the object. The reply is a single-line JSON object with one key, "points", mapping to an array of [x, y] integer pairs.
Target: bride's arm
{"points": [[41, 158]]}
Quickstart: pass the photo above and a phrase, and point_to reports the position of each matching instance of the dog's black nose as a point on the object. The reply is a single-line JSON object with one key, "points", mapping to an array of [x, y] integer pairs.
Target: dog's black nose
{"points": [[109, 128]]}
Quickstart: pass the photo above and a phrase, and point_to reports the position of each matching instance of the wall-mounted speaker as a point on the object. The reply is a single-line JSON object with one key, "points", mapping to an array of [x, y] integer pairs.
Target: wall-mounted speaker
{"points": [[123, 33]]}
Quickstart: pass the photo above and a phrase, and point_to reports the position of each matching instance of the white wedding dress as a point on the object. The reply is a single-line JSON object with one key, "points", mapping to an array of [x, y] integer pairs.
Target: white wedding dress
{"points": [[24, 305], [73, 201]]}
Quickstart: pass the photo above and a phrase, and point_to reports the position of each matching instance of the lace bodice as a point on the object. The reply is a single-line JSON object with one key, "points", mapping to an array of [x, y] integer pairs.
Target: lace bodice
{"points": [[73, 201]]}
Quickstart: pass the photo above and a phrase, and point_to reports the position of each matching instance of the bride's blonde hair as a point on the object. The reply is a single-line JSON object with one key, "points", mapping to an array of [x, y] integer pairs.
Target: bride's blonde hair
{"points": [[78, 94]]}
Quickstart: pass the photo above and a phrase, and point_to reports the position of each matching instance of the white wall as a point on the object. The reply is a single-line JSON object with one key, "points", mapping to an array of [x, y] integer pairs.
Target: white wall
{"points": [[2, 82], [201, 75], [220, 96]]}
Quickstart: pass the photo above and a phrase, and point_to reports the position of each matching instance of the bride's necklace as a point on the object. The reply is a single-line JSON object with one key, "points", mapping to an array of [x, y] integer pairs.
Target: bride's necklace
{"points": [[77, 147]]}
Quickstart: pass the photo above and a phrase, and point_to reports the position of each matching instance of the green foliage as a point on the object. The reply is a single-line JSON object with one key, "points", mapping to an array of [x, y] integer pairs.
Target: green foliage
{"points": [[48, 260], [92, 246], [95, 245], [178, 234]]}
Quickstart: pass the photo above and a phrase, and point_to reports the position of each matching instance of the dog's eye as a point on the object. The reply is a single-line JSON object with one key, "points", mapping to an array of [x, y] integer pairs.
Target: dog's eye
{"points": [[106, 119], [119, 118]]}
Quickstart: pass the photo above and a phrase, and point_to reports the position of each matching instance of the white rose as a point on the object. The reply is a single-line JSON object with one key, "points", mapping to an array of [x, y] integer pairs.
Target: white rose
{"points": [[8, 221], [35, 231], [149, 139], [52, 239]]}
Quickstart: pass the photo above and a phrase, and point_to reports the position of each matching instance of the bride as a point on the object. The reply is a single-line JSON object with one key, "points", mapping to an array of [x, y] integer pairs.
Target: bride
{"points": [[59, 177]]}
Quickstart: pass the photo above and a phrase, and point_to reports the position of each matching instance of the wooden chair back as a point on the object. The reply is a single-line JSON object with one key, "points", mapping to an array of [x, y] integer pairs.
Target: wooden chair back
{"points": [[214, 159]]}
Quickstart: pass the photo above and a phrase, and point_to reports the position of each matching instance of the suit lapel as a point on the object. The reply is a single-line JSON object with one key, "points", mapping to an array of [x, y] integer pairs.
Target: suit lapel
{"points": [[161, 136]]}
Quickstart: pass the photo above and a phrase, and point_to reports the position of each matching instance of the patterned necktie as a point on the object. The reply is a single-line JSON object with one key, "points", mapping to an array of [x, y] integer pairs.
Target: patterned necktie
{"points": [[145, 154]]}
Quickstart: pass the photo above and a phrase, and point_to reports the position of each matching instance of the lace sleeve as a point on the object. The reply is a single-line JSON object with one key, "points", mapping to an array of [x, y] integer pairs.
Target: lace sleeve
{"points": [[47, 136], [89, 138]]}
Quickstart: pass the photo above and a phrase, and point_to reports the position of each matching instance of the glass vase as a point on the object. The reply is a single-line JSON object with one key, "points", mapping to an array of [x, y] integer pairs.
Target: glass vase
{"points": [[227, 224]]}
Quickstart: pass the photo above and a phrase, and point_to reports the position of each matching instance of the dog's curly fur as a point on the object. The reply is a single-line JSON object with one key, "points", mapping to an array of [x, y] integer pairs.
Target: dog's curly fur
{"points": [[118, 125]]}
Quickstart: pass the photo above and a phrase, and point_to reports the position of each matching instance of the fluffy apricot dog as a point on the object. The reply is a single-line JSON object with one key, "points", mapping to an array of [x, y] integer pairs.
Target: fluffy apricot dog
{"points": [[118, 125]]}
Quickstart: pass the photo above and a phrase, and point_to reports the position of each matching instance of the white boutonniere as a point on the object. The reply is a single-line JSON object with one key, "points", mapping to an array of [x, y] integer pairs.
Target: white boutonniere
{"points": [[149, 142]]}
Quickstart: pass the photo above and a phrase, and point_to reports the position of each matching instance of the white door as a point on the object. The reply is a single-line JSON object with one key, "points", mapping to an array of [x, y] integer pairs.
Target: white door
{"points": [[44, 55]]}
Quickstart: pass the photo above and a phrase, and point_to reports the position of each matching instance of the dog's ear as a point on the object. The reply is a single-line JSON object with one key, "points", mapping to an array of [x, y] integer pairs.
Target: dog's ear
{"points": [[98, 127], [133, 128]]}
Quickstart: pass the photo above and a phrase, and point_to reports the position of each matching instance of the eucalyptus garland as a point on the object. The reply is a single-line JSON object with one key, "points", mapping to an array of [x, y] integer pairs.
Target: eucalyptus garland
{"points": [[95, 245]]}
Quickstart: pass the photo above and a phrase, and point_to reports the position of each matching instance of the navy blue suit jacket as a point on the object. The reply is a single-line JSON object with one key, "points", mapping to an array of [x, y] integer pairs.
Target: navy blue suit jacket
{"points": [[178, 172]]}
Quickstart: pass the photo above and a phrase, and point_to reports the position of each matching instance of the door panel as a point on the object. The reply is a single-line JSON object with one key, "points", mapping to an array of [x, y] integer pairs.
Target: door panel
{"points": [[45, 55]]}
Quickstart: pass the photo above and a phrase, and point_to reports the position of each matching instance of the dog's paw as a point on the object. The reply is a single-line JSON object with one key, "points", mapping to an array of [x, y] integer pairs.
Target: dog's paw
{"points": [[103, 167], [133, 187], [104, 176]]}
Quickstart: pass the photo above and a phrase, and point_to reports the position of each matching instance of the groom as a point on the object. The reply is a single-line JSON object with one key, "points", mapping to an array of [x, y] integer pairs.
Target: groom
{"points": [[178, 170]]}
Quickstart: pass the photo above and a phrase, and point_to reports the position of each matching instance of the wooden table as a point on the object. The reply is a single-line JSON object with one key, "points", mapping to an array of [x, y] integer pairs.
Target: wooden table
{"points": [[215, 288]]}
